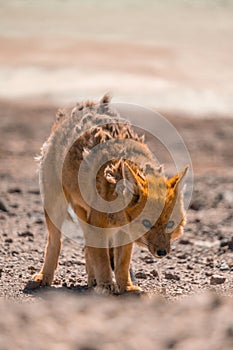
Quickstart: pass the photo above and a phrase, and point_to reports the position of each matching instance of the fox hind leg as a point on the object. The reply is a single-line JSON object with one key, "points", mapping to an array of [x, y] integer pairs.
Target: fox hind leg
{"points": [[90, 269], [52, 251]]}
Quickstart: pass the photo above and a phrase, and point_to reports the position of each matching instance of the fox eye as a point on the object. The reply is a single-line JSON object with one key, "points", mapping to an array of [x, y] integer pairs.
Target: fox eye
{"points": [[170, 224], [147, 223]]}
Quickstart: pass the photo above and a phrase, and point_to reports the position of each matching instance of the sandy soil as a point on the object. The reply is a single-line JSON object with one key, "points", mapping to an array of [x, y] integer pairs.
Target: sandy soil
{"points": [[173, 56], [200, 261]]}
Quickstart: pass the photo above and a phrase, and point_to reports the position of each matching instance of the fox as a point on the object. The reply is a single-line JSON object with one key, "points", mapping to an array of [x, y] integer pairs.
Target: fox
{"points": [[96, 163]]}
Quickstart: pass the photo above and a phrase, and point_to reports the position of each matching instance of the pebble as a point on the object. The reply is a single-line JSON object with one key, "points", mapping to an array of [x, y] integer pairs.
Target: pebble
{"points": [[154, 273], [34, 191], [32, 268], [3, 207], [39, 221], [14, 190], [208, 274], [8, 240], [148, 260], [230, 244], [141, 275], [217, 279], [182, 256], [224, 268], [224, 243], [171, 276], [14, 253], [195, 205], [184, 241], [25, 234]]}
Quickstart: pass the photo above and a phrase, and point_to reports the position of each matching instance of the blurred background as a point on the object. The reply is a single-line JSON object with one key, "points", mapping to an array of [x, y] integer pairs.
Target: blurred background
{"points": [[172, 55]]}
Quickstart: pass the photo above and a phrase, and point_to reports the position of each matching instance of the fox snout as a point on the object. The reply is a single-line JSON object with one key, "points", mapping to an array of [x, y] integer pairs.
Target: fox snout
{"points": [[161, 252], [159, 247]]}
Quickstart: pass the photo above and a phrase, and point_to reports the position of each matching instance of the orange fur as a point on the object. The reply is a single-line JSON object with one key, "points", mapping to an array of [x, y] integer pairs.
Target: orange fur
{"points": [[140, 183]]}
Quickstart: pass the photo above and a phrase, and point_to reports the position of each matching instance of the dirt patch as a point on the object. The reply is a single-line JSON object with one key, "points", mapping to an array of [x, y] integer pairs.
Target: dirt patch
{"points": [[202, 260], [65, 321]]}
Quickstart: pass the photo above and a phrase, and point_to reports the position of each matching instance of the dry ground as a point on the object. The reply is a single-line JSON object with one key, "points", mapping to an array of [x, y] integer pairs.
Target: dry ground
{"points": [[67, 315]]}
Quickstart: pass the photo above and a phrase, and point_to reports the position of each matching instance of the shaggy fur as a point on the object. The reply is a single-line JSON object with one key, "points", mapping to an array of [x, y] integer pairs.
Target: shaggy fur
{"points": [[150, 206]]}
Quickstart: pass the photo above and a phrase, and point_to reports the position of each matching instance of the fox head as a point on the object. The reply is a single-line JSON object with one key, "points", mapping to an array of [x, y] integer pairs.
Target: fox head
{"points": [[155, 212]]}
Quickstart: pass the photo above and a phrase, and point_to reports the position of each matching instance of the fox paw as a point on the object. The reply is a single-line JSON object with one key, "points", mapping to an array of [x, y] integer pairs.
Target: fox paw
{"points": [[39, 280], [133, 289], [91, 282], [105, 289], [43, 279]]}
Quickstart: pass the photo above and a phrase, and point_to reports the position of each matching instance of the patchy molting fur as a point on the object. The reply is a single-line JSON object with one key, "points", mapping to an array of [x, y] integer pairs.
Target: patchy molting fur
{"points": [[92, 124]]}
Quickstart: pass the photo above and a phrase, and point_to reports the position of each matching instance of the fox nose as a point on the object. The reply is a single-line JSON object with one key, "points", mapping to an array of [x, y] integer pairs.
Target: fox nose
{"points": [[161, 252]]}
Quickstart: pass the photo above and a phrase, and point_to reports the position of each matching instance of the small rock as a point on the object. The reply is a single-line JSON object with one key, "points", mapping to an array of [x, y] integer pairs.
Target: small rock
{"points": [[39, 221], [182, 256], [31, 268], [197, 220], [3, 207], [14, 253], [210, 263], [178, 292], [197, 202], [184, 241], [217, 279], [72, 280], [57, 281], [14, 190], [230, 244], [25, 234], [224, 243], [171, 276], [148, 259], [208, 274], [8, 240], [224, 268], [141, 275], [154, 273], [14, 206], [34, 191]]}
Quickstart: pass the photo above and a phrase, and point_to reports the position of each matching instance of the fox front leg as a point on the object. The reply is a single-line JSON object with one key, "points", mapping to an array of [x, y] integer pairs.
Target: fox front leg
{"points": [[122, 259]]}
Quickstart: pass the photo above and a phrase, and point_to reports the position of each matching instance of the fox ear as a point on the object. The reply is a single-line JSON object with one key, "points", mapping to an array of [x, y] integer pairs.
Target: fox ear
{"points": [[130, 179], [178, 179], [114, 174]]}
